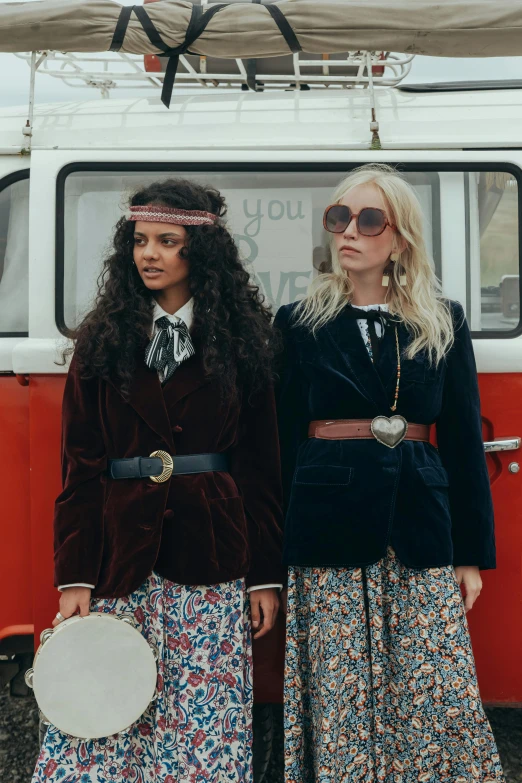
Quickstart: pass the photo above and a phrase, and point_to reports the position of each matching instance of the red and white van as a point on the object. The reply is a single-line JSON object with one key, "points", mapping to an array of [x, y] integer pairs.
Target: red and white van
{"points": [[276, 155]]}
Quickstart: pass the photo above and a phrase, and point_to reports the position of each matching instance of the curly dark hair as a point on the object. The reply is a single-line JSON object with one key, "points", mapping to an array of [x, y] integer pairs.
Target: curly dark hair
{"points": [[231, 322]]}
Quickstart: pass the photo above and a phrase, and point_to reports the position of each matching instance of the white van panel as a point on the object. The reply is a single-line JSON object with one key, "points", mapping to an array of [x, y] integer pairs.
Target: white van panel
{"points": [[39, 354], [9, 165], [231, 120]]}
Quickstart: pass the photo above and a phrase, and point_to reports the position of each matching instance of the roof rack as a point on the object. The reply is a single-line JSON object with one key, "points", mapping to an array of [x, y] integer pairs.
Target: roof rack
{"points": [[112, 70], [300, 71]]}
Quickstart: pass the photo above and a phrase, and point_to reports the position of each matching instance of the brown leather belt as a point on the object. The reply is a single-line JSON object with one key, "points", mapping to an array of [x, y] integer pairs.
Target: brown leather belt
{"points": [[339, 429]]}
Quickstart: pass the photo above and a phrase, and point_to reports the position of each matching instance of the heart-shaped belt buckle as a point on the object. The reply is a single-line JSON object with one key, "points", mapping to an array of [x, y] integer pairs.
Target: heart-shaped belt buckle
{"points": [[389, 432]]}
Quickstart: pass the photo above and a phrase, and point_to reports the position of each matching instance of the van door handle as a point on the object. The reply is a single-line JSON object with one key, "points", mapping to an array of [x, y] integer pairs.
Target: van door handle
{"points": [[502, 444]]}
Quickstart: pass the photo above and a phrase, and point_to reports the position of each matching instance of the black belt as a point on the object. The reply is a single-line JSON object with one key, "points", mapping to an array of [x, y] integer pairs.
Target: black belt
{"points": [[160, 466]]}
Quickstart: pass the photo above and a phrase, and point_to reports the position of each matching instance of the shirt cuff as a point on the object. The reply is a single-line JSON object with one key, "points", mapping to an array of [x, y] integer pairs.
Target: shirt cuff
{"points": [[262, 587], [75, 584]]}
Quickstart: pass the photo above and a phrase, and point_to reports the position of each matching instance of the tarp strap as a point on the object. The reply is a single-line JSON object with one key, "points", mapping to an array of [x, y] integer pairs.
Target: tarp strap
{"points": [[121, 28], [151, 32], [251, 65], [286, 31], [251, 73], [197, 25], [285, 27]]}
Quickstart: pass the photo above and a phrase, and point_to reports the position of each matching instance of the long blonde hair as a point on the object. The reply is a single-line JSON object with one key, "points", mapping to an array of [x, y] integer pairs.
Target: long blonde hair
{"points": [[419, 304]]}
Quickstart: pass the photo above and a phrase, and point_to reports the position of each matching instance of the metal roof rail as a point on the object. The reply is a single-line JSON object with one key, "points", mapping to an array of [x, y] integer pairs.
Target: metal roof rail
{"points": [[299, 71], [112, 70]]}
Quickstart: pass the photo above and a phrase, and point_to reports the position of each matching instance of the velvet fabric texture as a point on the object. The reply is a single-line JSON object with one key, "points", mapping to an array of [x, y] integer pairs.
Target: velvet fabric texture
{"points": [[196, 529], [347, 500]]}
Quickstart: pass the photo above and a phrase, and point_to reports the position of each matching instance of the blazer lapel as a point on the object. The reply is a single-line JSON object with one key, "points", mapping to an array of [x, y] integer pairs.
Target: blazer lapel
{"points": [[152, 401], [345, 341], [146, 397], [189, 376]]}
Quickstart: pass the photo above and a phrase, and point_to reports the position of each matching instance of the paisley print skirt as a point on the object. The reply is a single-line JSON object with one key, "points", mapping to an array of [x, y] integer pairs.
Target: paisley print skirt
{"points": [[380, 680], [200, 727]]}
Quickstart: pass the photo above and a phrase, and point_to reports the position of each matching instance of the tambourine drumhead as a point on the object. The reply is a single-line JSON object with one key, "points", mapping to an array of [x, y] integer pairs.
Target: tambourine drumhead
{"points": [[94, 676]]}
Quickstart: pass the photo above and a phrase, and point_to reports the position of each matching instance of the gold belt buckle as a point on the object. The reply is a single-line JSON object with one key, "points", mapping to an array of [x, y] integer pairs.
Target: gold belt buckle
{"points": [[168, 466]]}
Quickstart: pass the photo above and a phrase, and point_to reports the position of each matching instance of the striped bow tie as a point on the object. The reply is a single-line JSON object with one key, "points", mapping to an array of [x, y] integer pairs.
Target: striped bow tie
{"points": [[170, 346]]}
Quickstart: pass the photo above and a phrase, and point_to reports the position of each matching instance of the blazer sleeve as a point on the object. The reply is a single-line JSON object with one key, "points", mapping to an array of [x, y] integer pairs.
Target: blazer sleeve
{"points": [[78, 515], [461, 449], [256, 469], [292, 409]]}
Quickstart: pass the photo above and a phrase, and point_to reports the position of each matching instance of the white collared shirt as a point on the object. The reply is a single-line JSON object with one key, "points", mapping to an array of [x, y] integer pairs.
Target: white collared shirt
{"points": [[185, 313]]}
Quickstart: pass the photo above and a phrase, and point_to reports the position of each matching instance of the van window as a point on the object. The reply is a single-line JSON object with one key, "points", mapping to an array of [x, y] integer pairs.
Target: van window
{"points": [[275, 216], [14, 255], [470, 227], [493, 251]]}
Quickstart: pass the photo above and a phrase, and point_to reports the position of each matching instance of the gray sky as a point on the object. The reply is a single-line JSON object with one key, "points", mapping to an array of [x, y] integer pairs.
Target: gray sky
{"points": [[14, 84]]}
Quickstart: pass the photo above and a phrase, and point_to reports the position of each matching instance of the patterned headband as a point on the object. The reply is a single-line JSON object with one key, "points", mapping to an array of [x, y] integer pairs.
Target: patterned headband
{"points": [[181, 217]]}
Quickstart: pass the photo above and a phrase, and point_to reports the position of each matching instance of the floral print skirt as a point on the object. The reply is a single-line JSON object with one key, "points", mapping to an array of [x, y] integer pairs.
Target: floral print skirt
{"points": [[199, 729], [380, 681]]}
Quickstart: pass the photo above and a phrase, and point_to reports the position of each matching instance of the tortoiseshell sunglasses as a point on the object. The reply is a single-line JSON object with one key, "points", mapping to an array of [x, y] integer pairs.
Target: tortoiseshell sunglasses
{"points": [[370, 221]]}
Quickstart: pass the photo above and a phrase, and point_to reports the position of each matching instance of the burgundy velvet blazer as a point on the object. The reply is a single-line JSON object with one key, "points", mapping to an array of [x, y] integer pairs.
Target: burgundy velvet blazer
{"points": [[221, 526]]}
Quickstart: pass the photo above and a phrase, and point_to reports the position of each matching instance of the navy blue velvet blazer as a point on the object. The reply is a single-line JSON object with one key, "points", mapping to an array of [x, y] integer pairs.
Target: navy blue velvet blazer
{"points": [[347, 500]]}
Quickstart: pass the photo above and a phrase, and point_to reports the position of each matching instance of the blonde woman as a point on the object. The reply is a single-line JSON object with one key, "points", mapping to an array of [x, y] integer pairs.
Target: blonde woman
{"points": [[382, 528]]}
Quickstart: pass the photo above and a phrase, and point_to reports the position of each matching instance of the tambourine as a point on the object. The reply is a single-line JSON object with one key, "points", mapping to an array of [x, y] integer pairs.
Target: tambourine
{"points": [[93, 676]]}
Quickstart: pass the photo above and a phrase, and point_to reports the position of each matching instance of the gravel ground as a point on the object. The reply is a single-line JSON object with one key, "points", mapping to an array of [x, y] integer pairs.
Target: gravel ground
{"points": [[19, 741], [18, 738]]}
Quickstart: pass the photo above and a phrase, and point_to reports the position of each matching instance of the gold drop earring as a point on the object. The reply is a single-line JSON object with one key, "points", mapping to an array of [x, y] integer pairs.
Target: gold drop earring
{"points": [[402, 275], [388, 270]]}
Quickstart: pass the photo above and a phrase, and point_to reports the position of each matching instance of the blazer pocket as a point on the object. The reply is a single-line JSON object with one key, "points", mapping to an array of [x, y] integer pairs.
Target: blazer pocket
{"points": [[323, 476], [418, 369], [434, 476], [230, 534], [317, 509], [318, 490], [432, 497]]}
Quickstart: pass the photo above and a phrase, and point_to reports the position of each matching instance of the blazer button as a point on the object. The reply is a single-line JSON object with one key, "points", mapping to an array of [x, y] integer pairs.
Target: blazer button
{"points": [[168, 514]]}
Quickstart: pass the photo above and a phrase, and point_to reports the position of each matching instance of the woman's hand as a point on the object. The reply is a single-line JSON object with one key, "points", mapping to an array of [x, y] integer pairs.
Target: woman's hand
{"points": [[469, 576], [264, 606], [284, 599], [74, 600]]}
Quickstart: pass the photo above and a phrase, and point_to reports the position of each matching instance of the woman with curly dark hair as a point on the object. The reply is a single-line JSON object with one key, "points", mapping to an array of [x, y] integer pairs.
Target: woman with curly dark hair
{"points": [[174, 359]]}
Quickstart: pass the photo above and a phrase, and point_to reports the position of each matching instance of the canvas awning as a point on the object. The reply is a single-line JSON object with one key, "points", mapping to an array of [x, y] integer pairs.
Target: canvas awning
{"points": [[453, 28]]}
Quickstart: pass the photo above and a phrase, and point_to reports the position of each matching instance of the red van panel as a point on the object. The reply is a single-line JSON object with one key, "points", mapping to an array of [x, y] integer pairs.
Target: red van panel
{"points": [[16, 587], [26, 561]]}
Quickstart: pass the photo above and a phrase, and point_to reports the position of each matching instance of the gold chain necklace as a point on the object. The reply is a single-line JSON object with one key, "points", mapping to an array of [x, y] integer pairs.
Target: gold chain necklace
{"points": [[396, 395]]}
